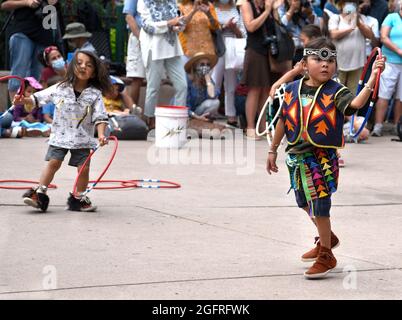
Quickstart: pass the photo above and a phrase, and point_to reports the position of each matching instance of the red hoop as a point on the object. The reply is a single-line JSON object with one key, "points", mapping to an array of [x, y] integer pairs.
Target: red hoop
{"points": [[121, 186], [116, 144], [51, 186], [171, 185]]}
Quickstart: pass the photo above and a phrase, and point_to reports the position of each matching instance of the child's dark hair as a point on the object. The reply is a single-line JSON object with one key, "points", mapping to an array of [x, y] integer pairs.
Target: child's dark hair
{"points": [[101, 79], [311, 31], [321, 42]]}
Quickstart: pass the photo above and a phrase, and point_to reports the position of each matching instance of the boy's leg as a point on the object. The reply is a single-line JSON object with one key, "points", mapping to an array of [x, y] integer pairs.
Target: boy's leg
{"points": [[50, 170], [78, 202], [324, 231], [37, 197], [325, 261], [83, 179]]}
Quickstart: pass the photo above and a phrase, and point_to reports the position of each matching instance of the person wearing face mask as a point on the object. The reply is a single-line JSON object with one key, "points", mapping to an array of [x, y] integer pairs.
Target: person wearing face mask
{"points": [[54, 63], [349, 31], [202, 94]]}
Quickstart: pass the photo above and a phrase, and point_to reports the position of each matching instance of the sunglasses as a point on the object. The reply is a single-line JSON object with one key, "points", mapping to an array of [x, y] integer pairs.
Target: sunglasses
{"points": [[203, 64]]}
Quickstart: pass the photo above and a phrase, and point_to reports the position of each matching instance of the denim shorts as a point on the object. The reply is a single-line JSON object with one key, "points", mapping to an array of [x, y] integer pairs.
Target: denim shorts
{"points": [[78, 156], [321, 206]]}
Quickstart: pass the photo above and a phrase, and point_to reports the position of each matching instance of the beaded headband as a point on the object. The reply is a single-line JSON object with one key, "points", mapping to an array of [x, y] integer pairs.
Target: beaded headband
{"points": [[323, 53]]}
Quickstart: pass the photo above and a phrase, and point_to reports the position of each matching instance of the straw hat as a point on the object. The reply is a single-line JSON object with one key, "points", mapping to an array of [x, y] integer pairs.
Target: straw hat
{"points": [[198, 56], [76, 30]]}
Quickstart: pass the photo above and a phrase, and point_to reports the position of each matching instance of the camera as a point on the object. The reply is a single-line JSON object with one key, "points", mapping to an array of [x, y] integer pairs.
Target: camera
{"points": [[39, 10], [305, 3], [272, 42]]}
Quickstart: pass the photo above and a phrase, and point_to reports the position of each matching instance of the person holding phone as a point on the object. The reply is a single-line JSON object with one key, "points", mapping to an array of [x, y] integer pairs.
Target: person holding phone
{"points": [[201, 20]]}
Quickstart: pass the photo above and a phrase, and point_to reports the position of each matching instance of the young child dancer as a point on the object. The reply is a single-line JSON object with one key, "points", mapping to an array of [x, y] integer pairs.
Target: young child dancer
{"points": [[79, 110], [312, 118]]}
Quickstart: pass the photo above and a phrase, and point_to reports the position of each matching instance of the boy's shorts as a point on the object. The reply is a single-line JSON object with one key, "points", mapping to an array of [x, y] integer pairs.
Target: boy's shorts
{"points": [[78, 156], [321, 206], [314, 177]]}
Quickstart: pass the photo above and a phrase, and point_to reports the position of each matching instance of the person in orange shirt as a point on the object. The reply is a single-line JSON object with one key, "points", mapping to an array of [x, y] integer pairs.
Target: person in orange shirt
{"points": [[201, 20]]}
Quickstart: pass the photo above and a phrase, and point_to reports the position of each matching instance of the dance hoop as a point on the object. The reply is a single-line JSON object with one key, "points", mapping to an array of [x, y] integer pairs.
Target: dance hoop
{"points": [[20, 90], [376, 53], [127, 184], [116, 144], [170, 184], [50, 186], [268, 110]]}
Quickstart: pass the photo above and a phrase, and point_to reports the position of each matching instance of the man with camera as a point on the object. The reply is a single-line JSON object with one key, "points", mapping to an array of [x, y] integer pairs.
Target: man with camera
{"points": [[27, 37]]}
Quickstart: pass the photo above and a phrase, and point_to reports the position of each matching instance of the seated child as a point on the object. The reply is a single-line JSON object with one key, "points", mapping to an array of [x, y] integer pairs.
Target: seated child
{"points": [[27, 116]]}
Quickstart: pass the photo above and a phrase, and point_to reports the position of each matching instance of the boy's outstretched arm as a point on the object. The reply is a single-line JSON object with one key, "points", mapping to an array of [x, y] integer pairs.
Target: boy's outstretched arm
{"points": [[272, 153], [287, 77], [360, 100]]}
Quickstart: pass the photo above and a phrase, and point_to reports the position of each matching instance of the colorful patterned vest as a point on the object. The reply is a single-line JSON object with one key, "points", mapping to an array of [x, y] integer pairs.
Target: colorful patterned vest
{"points": [[324, 121]]}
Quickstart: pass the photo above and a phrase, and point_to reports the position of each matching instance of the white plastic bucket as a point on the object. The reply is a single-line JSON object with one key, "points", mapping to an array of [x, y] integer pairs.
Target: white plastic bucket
{"points": [[170, 126]]}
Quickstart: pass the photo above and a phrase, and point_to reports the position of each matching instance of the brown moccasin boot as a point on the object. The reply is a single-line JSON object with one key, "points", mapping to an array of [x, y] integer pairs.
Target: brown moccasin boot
{"points": [[313, 253], [325, 263]]}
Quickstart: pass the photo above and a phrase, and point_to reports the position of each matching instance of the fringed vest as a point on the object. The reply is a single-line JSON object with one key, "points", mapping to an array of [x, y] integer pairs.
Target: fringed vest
{"points": [[324, 127]]}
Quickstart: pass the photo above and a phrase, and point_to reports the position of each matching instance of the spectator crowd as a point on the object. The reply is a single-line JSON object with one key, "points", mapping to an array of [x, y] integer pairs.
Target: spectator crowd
{"points": [[223, 58]]}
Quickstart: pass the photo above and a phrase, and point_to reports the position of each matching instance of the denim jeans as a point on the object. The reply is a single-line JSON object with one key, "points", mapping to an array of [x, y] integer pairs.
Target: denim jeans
{"points": [[23, 59], [174, 68]]}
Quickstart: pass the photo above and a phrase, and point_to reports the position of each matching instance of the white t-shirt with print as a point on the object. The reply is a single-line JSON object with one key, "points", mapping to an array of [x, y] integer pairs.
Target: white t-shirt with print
{"points": [[74, 118]]}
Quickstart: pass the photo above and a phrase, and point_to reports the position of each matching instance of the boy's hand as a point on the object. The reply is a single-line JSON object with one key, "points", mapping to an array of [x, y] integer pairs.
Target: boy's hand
{"points": [[20, 99], [271, 162], [274, 87], [379, 64], [102, 140]]}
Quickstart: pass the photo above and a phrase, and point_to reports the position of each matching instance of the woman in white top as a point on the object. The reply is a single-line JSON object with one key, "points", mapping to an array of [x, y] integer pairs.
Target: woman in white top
{"points": [[232, 26], [349, 31]]}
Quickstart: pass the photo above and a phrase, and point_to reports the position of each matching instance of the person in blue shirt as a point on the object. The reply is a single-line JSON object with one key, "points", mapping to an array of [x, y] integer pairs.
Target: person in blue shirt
{"points": [[391, 78], [202, 94], [330, 7], [134, 65]]}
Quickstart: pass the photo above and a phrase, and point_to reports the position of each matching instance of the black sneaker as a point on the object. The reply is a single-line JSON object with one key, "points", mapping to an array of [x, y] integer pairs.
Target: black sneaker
{"points": [[38, 200], [80, 204]]}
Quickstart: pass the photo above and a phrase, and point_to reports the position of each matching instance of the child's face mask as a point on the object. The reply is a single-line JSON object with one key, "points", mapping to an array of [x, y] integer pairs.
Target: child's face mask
{"points": [[58, 64], [349, 8]]}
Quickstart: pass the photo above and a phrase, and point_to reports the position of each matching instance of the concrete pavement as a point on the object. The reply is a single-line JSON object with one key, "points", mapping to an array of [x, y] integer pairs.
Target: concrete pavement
{"points": [[223, 235]]}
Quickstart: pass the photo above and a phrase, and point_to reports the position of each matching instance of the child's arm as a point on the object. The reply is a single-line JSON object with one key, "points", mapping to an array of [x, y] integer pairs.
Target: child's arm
{"points": [[38, 99], [101, 127], [47, 118], [360, 100], [287, 77], [272, 153]]}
